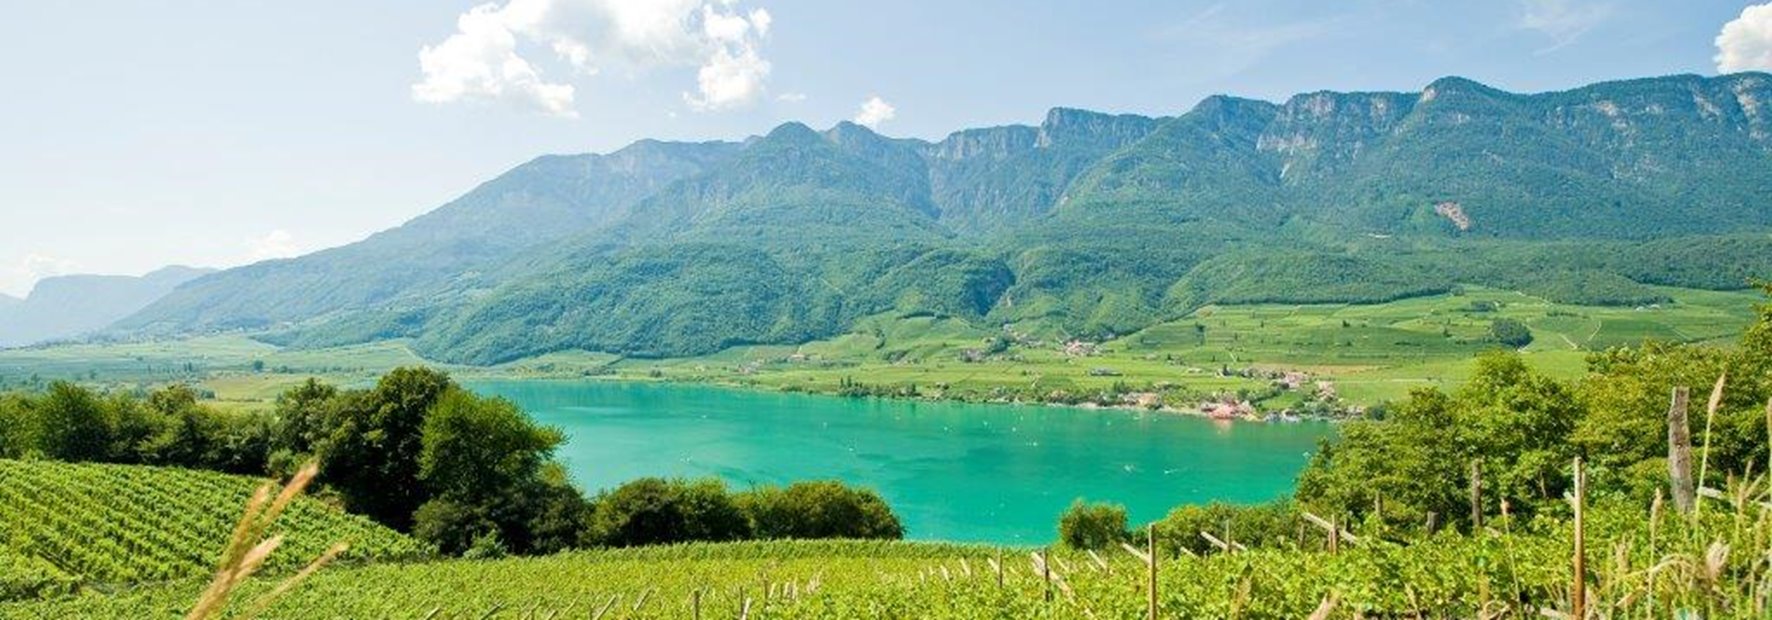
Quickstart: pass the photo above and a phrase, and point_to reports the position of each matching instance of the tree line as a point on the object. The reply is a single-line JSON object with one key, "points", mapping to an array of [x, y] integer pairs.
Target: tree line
{"points": [[470, 474], [1406, 470]]}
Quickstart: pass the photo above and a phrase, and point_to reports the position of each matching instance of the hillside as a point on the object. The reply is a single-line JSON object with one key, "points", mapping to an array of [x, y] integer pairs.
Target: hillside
{"points": [[70, 306], [1088, 225], [72, 524]]}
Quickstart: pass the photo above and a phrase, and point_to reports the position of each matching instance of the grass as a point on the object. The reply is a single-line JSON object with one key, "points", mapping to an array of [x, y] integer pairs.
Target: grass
{"points": [[1371, 352]]}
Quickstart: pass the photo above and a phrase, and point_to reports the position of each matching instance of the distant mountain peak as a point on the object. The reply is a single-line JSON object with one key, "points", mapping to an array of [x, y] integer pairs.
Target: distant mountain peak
{"points": [[792, 131]]}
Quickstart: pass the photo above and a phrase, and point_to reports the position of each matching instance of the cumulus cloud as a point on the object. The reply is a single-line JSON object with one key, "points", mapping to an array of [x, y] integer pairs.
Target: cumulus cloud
{"points": [[1564, 21], [498, 50], [275, 244], [874, 111], [18, 277], [1745, 44]]}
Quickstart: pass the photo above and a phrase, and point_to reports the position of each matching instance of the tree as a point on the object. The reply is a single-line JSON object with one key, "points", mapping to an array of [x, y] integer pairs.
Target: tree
{"points": [[475, 447], [1510, 332], [653, 511], [301, 419], [1093, 526], [371, 454], [72, 424], [819, 509], [481, 463]]}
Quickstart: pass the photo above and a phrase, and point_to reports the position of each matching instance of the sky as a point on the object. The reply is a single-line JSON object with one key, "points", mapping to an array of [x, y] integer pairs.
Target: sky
{"points": [[135, 135]]}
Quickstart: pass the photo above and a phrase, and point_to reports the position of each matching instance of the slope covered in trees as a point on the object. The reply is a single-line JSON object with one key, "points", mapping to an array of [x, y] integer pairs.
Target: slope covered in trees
{"points": [[1088, 225]]}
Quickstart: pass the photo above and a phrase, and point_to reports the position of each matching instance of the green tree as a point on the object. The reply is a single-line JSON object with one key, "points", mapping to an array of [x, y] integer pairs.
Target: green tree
{"points": [[1509, 332], [819, 509], [653, 511], [371, 454], [1092, 526], [72, 424]]}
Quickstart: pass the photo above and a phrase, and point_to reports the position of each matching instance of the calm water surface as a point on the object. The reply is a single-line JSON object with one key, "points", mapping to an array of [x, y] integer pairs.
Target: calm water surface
{"points": [[989, 473]]}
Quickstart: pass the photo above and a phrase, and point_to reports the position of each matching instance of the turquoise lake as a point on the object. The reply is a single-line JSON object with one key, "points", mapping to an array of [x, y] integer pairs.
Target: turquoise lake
{"points": [[984, 473]]}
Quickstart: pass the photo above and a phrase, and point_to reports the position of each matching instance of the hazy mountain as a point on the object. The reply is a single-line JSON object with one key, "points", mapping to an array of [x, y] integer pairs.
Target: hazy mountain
{"points": [[1087, 224], [70, 306], [538, 202]]}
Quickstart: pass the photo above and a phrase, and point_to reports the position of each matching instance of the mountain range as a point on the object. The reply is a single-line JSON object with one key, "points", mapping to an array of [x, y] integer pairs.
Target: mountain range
{"points": [[65, 307], [1085, 225]]}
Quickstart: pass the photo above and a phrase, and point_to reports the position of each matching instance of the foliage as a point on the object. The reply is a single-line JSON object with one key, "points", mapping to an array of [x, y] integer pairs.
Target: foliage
{"points": [[653, 511], [818, 509], [1510, 333], [1092, 526], [111, 524]]}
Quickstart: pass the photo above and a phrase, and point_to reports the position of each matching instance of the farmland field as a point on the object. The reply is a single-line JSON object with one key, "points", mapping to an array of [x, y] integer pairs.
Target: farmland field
{"points": [[1371, 352]]}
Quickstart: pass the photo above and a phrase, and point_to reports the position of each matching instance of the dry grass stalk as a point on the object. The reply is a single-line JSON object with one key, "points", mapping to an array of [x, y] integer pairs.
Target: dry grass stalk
{"points": [[248, 549], [1710, 418], [1325, 608]]}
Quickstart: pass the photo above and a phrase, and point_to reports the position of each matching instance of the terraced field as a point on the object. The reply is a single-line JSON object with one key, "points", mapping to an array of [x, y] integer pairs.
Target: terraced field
{"points": [[65, 525]]}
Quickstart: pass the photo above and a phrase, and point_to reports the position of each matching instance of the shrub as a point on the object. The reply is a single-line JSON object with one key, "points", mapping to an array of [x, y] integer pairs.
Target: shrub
{"points": [[1509, 332], [821, 509], [1092, 526], [652, 511]]}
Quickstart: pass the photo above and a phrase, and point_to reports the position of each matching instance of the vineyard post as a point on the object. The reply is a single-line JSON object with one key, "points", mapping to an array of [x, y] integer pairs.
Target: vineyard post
{"points": [[1769, 438], [1433, 522], [1476, 495], [1150, 537], [1578, 591], [1679, 453], [695, 604], [999, 566], [1046, 571]]}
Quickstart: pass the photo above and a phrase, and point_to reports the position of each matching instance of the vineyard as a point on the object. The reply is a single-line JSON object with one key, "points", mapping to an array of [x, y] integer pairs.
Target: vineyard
{"points": [[63, 526], [1640, 563]]}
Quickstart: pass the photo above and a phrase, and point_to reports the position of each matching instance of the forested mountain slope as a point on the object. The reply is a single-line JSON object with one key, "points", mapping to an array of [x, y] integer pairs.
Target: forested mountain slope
{"points": [[1087, 225]]}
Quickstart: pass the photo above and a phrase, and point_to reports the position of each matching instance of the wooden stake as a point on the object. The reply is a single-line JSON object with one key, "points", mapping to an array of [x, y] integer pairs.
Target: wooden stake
{"points": [[1679, 453], [1151, 542], [1578, 593], [1046, 573], [998, 565]]}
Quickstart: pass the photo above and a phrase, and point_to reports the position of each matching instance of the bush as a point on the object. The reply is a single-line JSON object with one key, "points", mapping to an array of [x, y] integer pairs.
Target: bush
{"points": [[1509, 332], [1273, 524], [1092, 526], [822, 509], [652, 511]]}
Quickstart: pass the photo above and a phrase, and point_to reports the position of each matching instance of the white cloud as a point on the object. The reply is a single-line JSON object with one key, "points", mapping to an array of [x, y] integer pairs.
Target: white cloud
{"points": [[275, 244], [480, 61], [492, 54], [17, 278], [1563, 21], [874, 111], [1745, 44]]}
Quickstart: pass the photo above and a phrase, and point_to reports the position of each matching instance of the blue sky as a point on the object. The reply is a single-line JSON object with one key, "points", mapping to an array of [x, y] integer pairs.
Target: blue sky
{"points": [[218, 133]]}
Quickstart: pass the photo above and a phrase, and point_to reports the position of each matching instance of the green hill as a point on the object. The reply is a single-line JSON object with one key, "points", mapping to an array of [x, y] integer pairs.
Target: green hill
{"points": [[1088, 225], [63, 525]]}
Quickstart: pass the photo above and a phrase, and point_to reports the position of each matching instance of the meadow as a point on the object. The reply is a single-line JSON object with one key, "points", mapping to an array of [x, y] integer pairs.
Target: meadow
{"points": [[1370, 352]]}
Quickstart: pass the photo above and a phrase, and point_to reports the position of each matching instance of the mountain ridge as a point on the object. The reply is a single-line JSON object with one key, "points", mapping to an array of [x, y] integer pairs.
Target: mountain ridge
{"points": [[1088, 219]]}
